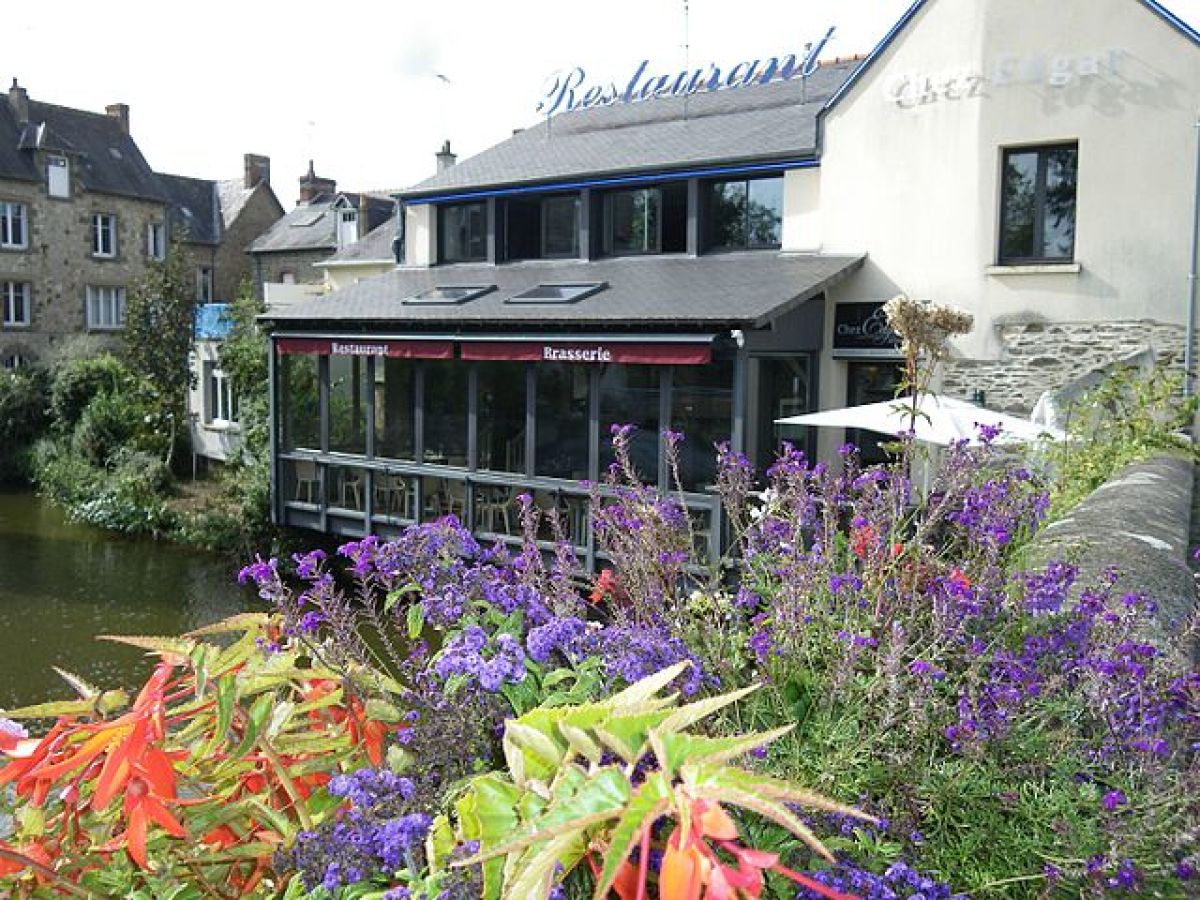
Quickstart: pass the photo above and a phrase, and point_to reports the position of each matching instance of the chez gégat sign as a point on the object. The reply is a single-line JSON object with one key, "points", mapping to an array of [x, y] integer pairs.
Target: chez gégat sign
{"points": [[570, 90]]}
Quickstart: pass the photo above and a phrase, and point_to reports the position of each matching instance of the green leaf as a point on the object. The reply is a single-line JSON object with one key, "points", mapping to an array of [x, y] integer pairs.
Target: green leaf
{"points": [[630, 733], [557, 677], [246, 621], [415, 617], [675, 749], [535, 874], [581, 742], [649, 686], [649, 802], [83, 688], [686, 716], [281, 715], [257, 717], [395, 597], [382, 711], [163, 646], [542, 753], [226, 695], [51, 710]]}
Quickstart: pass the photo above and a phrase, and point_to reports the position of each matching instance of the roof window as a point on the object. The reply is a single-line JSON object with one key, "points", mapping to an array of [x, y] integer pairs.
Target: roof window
{"points": [[559, 293], [449, 295]]}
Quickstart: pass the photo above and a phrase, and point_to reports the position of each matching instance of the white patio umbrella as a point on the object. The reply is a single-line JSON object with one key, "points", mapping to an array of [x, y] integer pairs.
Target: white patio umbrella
{"points": [[940, 420]]}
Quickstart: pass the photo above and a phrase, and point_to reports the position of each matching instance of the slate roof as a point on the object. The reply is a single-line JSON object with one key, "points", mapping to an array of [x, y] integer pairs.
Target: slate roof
{"points": [[731, 290], [103, 157], [233, 195], [759, 123], [375, 246], [193, 211], [313, 225]]}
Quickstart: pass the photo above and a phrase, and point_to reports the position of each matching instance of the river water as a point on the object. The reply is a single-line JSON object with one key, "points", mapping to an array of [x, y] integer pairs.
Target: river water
{"points": [[62, 584]]}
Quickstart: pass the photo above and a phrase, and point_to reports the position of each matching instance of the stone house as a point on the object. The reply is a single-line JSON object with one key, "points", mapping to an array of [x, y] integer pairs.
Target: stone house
{"points": [[323, 222], [79, 211], [379, 251]]}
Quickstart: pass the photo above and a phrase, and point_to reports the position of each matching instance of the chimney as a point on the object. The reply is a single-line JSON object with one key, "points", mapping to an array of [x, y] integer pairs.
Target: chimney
{"points": [[18, 100], [311, 184], [445, 159], [257, 170], [120, 112]]}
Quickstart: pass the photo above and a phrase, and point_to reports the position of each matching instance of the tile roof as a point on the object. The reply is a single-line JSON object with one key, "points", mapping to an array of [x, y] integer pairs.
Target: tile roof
{"points": [[233, 195], [313, 225], [193, 211], [104, 158], [375, 246], [760, 123], [731, 290]]}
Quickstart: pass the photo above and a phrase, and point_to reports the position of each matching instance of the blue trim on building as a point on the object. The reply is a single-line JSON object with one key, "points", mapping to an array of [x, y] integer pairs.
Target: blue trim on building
{"points": [[213, 322], [709, 172], [1183, 27], [1153, 5]]}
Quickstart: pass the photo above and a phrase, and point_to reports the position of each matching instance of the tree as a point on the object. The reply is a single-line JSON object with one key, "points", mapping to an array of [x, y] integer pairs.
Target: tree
{"points": [[159, 332]]}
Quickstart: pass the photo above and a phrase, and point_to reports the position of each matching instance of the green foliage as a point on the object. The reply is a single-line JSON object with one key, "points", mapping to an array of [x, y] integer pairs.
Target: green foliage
{"points": [[159, 331], [22, 419], [76, 382], [1132, 415]]}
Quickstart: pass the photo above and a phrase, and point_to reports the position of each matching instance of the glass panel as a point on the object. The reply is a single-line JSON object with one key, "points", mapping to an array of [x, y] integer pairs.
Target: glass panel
{"points": [[556, 293], [1019, 206], [448, 296], [395, 408], [871, 383], [764, 213], [632, 221], [727, 214], [345, 488], [562, 421], [1058, 217], [347, 404], [301, 481], [629, 396], [783, 390], [523, 227], [299, 399], [501, 419], [702, 408], [446, 412], [463, 232], [560, 226]]}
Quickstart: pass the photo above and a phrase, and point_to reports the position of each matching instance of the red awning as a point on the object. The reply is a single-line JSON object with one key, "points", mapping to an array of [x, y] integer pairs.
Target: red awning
{"points": [[591, 352], [367, 347]]}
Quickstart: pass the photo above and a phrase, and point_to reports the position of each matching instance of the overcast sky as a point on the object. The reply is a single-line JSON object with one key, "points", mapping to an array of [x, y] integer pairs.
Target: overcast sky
{"points": [[355, 86]]}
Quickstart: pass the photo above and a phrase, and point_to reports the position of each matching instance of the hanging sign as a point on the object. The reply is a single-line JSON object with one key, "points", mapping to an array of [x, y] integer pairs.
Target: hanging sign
{"points": [[570, 90], [861, 330], [677, 354], [367, 347]]}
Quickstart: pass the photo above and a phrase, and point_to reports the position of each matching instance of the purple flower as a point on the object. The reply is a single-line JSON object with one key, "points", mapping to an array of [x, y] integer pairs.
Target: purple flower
{"points": [[1113, 799]]}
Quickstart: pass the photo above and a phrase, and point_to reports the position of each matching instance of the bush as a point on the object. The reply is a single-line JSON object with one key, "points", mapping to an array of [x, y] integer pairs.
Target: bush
{"points": [[22, 420], [77, 382]]}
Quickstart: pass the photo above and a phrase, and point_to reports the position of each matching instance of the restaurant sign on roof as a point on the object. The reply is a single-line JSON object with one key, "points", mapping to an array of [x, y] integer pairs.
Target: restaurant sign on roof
{"points": [[570, 90]]}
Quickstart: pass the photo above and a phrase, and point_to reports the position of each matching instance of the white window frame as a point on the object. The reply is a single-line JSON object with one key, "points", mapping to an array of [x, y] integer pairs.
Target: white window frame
{"points": [[220, 405], [9, 293], [58, 176], [104, 224], [204, 284], [347, 227], [12, 216], [13, 361], [105, 307], [156, 241]]}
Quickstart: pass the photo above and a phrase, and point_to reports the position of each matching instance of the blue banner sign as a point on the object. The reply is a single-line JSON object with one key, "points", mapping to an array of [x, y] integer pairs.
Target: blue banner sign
{"points": [[570, 90]]}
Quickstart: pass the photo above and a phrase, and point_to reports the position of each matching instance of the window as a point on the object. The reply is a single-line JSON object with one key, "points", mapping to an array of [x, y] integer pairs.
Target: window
{"points": [[105, 307], [445, 412], [300, 401], [395, 408], [58, 176], [156, 241], [220, 404], [561, 411], [12, 226], [629, 395], [746, 214], [542, 227], [13, 361], [646, 220], [14, 296], [462, 232], [104, 235], [1037, 210], [448, 296], [204, 284], [702, 408], [558, 293], [348, 404], [500, 420], [347, 227]]}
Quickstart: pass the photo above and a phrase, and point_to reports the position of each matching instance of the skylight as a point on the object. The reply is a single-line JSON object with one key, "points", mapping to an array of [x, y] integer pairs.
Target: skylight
{"points": [[570, 292], [449, 295]]}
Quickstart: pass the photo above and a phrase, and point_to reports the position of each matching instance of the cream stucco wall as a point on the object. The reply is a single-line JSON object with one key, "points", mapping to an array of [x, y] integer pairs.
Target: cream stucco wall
{"points": [[914, 182], [419, 222], [802, 210], [342, 275]]}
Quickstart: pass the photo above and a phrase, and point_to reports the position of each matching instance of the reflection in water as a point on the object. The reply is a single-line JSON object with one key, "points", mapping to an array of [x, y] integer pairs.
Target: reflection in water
{"points": [[62, 584]]}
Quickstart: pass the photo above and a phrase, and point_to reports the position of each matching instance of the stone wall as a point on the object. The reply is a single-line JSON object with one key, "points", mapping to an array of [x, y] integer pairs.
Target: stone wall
{"points": [[1045, 356], [269, 267], [234, 264], [58, 262]]}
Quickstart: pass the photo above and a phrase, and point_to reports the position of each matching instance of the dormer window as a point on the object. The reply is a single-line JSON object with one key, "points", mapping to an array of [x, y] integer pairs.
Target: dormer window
{"points": [[462, 232], [58, 176], [646, 220], [745, 214], [545, 227], [347, 227]]}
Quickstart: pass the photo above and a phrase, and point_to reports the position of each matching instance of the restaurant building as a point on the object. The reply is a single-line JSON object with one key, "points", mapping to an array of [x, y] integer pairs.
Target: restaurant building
{"points": [[708, 251]]}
